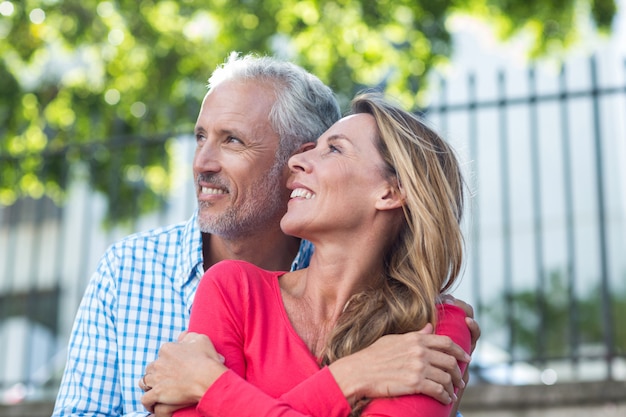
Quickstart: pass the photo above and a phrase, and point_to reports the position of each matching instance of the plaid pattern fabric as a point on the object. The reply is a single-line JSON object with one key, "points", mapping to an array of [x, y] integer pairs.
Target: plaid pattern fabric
{"points": [[139, 298]]}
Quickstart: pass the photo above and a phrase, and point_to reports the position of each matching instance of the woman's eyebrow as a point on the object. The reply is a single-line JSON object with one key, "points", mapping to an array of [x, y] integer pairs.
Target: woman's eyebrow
{"points": [[338, 136]]}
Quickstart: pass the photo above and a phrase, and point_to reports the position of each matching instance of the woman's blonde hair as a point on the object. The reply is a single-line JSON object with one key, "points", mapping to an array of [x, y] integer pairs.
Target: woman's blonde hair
{"points": [[425, 257]]}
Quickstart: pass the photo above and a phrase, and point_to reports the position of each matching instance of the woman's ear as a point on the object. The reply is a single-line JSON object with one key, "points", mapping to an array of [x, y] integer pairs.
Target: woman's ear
{"points": [[391, 198]]}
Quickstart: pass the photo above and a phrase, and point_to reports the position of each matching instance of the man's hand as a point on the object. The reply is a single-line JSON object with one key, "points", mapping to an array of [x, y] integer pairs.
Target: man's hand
{"points": [[411, 363], [469, 312], [181, 374], [475, 334]]}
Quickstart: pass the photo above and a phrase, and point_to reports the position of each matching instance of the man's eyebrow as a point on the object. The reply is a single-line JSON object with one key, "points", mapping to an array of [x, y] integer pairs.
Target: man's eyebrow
{"points": [[223, 132]]}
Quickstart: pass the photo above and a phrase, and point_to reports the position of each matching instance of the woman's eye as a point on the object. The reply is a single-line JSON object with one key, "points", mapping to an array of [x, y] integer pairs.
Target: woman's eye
{"points": [[333, 149]]}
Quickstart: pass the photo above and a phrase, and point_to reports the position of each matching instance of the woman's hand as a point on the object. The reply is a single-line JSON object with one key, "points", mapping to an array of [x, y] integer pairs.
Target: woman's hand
{"points": [[181, 375], [411, 363]]}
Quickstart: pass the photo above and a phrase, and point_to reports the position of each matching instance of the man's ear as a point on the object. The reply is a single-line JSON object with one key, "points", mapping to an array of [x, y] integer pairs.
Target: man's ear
{"points": [[391, 198]]}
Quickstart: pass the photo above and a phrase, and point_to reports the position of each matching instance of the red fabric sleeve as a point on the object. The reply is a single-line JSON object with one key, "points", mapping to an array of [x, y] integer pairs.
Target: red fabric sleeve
{"points": [[231, 396], [451, 322], [240, 309], [227, 310]]}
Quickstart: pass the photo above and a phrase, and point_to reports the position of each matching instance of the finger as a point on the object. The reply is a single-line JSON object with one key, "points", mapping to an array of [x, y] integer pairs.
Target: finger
{"points": [[162, 410], [191, 337], [442, 380], [143, 384], [449, 367], [427, 329], [149, 368], [181, 336], [148, 401], [466, 376], [474, 329], [467, 308], [448, 298], [436, 391], [167, 410], [446, 345], [159, 410]]}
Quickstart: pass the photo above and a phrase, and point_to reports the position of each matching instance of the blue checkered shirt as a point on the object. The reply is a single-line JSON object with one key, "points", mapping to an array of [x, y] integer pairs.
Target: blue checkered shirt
{"points": [[139, 298]]}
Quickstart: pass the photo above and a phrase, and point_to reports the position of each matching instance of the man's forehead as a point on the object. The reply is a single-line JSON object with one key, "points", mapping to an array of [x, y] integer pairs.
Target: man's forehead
{"points": [[237, 105], [249, 92], [239, 124]]}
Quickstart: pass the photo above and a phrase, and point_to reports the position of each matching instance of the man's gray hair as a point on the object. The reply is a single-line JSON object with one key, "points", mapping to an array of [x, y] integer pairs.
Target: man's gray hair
{"points": [[304, 108]]}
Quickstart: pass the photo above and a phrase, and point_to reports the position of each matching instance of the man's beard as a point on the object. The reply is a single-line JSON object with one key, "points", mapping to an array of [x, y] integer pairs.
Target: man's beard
{"points": [[261, 209]]}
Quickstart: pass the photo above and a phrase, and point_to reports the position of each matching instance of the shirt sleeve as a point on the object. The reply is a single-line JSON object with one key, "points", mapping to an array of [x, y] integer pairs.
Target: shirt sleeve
{"points": [[231, 396], [90, 383], [451, 322]]}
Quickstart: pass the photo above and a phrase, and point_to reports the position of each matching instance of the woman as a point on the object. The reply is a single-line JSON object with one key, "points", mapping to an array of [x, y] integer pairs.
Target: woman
{"points": [[381, 197]]}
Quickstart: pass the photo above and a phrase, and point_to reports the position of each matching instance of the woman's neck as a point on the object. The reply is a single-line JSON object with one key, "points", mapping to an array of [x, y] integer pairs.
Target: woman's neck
{"points": [[315, 297]]}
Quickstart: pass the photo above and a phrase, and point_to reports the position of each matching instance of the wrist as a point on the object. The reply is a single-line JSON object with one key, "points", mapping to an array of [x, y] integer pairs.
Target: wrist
{"points": [[352, 387], [209, 375]]}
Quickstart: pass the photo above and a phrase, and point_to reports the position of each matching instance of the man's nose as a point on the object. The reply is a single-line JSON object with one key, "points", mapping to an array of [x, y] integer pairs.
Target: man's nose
{"points": [[206, 158]]}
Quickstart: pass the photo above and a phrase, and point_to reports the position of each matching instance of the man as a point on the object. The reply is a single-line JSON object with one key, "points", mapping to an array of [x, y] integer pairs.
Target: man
{"points": [[258, 112]]}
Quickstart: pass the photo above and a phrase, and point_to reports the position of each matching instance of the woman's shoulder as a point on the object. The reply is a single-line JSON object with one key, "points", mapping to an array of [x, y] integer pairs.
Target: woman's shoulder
{"points": [[234, 264], [240, 273], [239, 266]]}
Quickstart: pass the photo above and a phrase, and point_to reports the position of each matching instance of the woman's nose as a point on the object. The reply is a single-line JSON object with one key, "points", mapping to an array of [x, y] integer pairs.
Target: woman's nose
{"points": [[300, 161]]}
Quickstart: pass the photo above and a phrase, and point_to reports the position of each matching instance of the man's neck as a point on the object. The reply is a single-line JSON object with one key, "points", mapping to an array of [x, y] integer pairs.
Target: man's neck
{"points": [[271, 253]]}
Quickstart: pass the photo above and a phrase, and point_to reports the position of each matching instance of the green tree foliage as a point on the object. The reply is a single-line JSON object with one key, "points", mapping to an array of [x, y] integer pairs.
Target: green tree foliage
{"points": [[86, 80]]}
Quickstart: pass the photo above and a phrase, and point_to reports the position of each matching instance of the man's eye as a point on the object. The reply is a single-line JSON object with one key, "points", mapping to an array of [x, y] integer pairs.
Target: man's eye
{"points": [[200, 138], [232, 139]]}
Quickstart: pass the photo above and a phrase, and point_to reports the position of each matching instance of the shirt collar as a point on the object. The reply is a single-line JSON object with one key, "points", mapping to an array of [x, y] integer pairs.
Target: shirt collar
{"points": [[192, 260], [191, 244]]}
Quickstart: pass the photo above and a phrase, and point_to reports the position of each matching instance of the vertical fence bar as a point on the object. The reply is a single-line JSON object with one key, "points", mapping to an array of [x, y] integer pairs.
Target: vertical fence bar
{"points": [[163, 209], [85, 239], [570, 231], [475, 227], [190, 195], [537, 219], [116, 176], [507, 250], [9, 270], [58, 266], [607, 317], [33, 271], [443, 107], [142, 143]]}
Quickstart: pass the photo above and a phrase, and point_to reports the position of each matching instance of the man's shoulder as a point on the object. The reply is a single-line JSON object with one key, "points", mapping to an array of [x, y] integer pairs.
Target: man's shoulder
{"points": [[150, 237]]}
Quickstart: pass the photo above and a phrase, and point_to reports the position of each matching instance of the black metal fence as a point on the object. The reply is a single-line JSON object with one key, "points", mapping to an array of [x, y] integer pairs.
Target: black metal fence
{"points": [[545, 153]]}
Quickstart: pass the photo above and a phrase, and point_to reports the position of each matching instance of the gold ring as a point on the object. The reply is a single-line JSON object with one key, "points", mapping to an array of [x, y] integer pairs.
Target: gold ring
{"points": [[142, 384]]}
